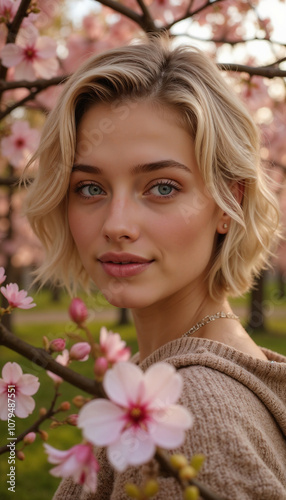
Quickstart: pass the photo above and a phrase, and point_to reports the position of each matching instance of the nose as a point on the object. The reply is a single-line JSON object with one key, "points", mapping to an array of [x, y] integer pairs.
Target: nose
{"points": [[120, 223]]}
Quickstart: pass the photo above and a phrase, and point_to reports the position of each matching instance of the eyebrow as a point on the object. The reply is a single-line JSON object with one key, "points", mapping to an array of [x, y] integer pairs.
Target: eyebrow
{"points": [[142, 168]]}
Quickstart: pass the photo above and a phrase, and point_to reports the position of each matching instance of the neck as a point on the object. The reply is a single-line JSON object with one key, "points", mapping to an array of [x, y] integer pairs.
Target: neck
{"points": [[171, 318]]}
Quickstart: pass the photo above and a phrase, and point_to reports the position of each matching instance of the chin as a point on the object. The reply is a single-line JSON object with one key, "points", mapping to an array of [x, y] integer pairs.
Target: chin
{"points": [[126, 302]]}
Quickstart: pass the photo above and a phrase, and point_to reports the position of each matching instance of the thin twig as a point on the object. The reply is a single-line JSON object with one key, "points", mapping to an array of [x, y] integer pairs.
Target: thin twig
{"points": [[36, 425]]}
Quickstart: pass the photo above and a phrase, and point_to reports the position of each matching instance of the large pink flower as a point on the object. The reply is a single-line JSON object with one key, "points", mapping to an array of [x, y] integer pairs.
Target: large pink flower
{"points": [[112, 346], [22, 141], [16, 297], [25, 386], [140, 415], [32, 56], [78, 462]]}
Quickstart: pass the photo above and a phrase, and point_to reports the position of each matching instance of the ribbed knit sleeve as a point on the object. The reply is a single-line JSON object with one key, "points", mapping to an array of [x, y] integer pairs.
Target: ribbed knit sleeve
{"points": [[239, 409]]}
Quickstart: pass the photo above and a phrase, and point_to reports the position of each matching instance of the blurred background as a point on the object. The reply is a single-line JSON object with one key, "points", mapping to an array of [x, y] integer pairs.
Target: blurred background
{"points": [[47, 40]]}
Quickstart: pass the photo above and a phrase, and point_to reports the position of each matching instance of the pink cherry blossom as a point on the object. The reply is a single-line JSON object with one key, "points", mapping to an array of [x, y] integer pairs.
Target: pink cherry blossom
{"points": [[22, 141], [25, 386], [16, 297], [80, 351], [62, 359], [78, 462], [78, 311], [8, 9], [112, 346], [140, 415], [2, 275], [32, 56]]}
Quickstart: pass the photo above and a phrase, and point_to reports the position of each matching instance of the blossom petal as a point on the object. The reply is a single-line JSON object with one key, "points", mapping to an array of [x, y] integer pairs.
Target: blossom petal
{"points": [[24, 406], [168, 426], [162, 384], [46, 68], [11, 55], [134, 447], [101, 422], [123, 383], [56, 456], [46, 47], [28, 385], [3, 407], [25, 71], [12, 372]]}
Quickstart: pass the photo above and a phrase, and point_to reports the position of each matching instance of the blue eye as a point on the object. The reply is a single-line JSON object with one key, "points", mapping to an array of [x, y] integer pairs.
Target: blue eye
{"points": [[89, 190], [164, 189]]}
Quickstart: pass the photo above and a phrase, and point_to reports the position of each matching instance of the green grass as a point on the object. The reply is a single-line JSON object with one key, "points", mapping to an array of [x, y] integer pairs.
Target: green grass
{"points": [[33, 480]]}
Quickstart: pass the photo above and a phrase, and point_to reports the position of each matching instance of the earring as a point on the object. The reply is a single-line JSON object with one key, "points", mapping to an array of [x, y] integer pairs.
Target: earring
{"points": [[225, 225]]}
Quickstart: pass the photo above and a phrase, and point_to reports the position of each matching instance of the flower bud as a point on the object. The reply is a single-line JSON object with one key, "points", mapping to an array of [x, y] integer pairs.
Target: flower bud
{"points": [[191, 493], [151, 488], [57, 345], [178, 461], [78, 311], [55, 424], [29, 438], [80, 351], [197, 461], [44, 435], [79, 401], [72, 419], [64, 406], [42, 411], [100, 367], [188, 472], [20, 455], [46, 343], [132, 490]]}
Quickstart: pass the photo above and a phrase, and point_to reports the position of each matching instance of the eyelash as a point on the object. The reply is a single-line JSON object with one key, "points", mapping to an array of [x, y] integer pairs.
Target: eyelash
{"points": [[166, 182], [79, 188]]}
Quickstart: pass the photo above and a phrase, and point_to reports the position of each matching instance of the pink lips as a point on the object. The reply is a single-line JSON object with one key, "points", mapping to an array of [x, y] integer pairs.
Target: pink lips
{"points": [[123, 265]]}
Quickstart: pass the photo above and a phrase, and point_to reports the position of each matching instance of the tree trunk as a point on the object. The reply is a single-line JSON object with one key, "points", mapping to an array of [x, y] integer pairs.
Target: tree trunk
{"points": [[256, 319], [123, 317]]}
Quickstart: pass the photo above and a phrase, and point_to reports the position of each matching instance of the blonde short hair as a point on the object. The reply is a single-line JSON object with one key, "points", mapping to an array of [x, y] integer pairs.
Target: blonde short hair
{"points": [[227, 150]]}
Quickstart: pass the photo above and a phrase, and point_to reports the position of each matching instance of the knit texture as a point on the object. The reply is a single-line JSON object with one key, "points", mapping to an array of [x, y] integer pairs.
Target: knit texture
{"points": [[239, 409]]}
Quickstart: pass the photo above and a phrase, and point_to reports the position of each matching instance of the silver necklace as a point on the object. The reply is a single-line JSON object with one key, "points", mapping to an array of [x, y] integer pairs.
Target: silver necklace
{"points": [[207, 319]]}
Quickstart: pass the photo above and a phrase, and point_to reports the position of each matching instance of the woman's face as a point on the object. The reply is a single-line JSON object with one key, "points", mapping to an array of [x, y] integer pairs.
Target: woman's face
{"points": [[139, 213]]}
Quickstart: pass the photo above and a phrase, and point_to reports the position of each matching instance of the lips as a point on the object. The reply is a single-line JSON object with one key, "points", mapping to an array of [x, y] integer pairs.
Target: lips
{"points": [[123, 265]]}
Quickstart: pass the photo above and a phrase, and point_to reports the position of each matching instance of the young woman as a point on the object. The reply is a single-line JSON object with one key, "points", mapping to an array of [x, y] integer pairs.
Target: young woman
{"points": [[149, 185]]}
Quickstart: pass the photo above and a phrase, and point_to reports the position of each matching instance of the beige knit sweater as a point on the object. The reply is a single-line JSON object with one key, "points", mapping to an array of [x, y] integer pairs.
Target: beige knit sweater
{"points": [[239, 406]]}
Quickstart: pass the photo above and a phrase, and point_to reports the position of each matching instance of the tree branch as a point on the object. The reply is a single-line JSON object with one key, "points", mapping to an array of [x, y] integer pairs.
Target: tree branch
{"points": [[162, 459], [41, 83], [191, 14], [229, 41], [41, 358], [266, 71]]}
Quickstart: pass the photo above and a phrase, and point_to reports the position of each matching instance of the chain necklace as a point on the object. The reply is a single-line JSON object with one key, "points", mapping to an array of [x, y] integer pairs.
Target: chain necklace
{"points": [[207, 319]]}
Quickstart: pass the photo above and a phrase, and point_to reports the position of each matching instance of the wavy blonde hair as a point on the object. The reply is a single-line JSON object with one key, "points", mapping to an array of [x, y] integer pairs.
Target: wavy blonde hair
{"points": [[226, 146]]}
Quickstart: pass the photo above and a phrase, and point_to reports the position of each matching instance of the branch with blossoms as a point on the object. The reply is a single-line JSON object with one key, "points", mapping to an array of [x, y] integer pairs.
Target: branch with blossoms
{"points": [[119, 412]]}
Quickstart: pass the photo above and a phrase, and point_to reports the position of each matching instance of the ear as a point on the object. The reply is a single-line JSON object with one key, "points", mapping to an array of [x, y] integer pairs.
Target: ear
{"points": [[237, 189]]}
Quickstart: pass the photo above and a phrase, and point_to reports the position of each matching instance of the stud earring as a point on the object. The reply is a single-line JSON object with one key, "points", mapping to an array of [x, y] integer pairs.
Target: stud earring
{"points": [[225, 225]]}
